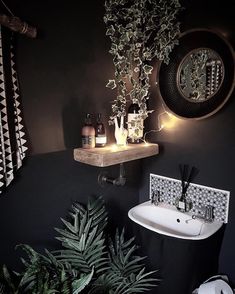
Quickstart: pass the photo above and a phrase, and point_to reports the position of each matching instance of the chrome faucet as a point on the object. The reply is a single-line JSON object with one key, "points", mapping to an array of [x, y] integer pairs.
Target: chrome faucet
{"points": [[155, 197], [208, 214]]}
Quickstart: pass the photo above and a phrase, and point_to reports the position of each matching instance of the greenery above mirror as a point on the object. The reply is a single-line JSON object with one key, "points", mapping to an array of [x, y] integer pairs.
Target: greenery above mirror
{"points": [[139, 31]]}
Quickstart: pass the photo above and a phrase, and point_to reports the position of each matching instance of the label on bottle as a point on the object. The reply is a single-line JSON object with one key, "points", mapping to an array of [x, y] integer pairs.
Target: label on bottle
{"points": [[100, 140], [88, 141], [135, 126], [181, 205]]}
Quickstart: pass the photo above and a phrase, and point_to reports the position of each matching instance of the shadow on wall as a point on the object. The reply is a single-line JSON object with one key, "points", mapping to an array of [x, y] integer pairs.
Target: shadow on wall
{"points": [[72, 123]]}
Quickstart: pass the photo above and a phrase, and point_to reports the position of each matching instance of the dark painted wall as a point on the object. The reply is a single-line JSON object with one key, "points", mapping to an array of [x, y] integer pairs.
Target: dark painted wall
{"points": [[43, 192], [62, 76], [64, 72], [208, 144]]}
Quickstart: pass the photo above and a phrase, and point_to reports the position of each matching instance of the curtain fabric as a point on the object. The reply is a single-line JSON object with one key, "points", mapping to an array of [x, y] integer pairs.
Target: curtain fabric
{"points": [[13, 144]]}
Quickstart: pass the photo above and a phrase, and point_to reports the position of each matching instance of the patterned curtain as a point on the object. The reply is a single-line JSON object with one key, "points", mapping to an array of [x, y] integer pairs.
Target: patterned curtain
{"points": [[12, 133]]}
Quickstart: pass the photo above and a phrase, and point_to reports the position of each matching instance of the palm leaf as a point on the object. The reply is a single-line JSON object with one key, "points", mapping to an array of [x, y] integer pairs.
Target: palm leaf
{"points": [[80, 284], [83, 237], [105, 283], [9, 282], [125, 273], [89, 258], [2, 289], [45, 274]]}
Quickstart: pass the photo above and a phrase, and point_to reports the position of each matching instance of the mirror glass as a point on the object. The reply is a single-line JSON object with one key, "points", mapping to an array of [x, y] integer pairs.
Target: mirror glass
{"points": [[200, 75]]}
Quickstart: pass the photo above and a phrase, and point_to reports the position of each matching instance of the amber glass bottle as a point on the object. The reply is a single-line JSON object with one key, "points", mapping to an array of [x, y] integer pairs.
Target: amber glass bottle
{"points": [[100, 134], [88, 133]]}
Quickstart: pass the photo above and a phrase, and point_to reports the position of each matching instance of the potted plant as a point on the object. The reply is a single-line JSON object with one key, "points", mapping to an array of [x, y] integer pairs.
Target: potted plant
{"points": [[90, 260], [140, 31]]}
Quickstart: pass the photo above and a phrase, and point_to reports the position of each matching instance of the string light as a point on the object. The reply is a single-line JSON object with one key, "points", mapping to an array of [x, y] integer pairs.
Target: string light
{"points": [[7, 8], [169, 122]]}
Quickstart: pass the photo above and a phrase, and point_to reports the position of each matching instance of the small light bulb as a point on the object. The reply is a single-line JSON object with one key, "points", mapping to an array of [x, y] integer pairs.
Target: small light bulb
{"points": [[170, 114], [114, 147]]}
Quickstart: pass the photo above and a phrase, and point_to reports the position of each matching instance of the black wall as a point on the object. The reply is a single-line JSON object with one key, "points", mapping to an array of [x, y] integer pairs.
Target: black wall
{"points": [[62, 76], [43, 192], [208, 144]]}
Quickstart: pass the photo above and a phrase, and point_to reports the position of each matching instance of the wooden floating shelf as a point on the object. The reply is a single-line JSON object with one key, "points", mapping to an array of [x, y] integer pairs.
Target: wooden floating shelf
{"points": [[113, 154]]}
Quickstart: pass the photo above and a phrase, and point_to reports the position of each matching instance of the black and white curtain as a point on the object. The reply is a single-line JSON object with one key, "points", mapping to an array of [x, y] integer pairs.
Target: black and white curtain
{"points": [[12, 132]]}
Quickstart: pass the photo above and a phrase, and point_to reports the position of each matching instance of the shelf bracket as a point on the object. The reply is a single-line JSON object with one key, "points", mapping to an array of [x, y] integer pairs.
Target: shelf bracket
{"points": [[119, 181]]}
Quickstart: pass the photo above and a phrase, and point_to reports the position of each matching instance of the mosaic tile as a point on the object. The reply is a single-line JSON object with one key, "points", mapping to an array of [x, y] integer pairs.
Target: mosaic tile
{"points": [[201, 196]]}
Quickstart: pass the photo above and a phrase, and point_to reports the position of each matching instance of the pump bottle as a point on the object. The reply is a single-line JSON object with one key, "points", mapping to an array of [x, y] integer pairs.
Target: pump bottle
{"points": [[88, 133]]}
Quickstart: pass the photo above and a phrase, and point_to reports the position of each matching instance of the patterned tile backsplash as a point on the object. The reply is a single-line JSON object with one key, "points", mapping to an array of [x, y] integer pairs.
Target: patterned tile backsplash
{"points": [[201, 196]]}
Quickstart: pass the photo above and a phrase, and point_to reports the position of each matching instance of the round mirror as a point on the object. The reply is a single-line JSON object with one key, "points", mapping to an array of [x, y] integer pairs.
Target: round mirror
{"points": [[199, 78], [200, 74]]}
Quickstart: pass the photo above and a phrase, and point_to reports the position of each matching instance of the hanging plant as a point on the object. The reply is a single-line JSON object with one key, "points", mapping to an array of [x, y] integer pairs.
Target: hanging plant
{"points": [[139, 32]]}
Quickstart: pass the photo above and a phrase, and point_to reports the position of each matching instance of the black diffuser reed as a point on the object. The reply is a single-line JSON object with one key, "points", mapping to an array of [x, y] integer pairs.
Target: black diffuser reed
{"points": [[186, 178]]}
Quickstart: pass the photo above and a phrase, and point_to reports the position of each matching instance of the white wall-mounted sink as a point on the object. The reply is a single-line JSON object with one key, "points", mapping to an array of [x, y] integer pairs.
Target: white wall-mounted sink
{"points": [[167, 220]]}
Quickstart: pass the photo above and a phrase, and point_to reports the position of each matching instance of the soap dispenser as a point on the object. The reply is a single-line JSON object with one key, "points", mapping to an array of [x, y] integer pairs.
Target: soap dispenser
{"points": [[88, 133]]}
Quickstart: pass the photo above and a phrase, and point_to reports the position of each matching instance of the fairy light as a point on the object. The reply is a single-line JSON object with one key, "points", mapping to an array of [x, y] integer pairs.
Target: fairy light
{"points": [[114, 147], [169, 123]]}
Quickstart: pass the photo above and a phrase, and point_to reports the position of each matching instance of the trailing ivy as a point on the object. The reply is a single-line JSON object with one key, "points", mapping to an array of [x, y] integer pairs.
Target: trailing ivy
{"points": [[139, 32]]}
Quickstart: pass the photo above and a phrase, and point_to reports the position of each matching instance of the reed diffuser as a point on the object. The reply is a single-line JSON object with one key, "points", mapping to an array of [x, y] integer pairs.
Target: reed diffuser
{"points": [[183, 203]]}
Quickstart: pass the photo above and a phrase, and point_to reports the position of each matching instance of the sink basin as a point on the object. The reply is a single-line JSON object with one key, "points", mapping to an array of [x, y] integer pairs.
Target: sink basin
{"points": [[165, 219]]}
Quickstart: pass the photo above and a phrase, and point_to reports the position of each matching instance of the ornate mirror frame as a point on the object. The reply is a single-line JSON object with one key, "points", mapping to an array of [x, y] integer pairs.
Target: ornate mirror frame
{"points": [[200, 77]]}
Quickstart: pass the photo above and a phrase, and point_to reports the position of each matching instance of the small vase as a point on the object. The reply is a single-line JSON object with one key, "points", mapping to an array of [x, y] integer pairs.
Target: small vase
{"points": [[120, 132]]}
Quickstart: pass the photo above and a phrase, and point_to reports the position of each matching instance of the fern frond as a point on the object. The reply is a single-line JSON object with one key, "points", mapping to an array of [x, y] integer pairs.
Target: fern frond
{"points": [[80, 284], [89, 257], [85, 249], [105, 283], [127, 266], [137, 283]]}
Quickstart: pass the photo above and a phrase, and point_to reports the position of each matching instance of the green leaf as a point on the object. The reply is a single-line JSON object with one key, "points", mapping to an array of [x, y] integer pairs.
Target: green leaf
{"points": [[69, 226], [67, 234], [93, 258], [110, 31], [80, 284], [147, 69], [8, 278], [111, 84]]}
